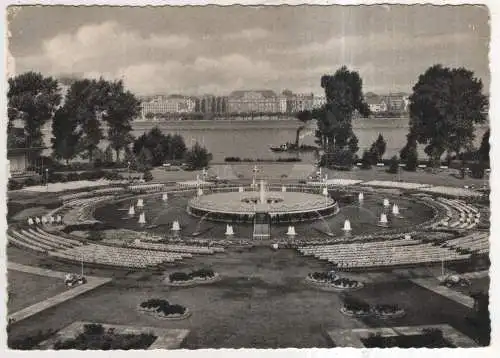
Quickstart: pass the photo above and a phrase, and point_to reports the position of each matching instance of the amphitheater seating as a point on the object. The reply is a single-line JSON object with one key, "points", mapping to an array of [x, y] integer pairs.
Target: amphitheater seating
{"points": [[382, 254], [477, 242], [459, 214], [176, 248], [116, 256]]}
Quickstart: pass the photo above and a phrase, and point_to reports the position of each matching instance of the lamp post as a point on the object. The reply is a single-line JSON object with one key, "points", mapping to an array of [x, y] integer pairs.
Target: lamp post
{"points": [[47, 178]]}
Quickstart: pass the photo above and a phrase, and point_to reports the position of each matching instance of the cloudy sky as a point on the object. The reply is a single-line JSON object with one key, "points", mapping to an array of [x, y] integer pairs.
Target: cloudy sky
{"points": [[197, 50]]}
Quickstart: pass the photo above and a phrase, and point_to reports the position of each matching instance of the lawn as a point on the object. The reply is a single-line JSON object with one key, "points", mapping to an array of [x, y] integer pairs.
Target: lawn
{"points": [[261, 301], [27, 289]]}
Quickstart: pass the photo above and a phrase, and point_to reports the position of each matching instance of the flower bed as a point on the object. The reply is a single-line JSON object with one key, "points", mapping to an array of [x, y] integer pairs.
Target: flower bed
{"points": [[330, 280], [357, 308], [386, 311], [162, 309], [195, 277], [95, 337]]}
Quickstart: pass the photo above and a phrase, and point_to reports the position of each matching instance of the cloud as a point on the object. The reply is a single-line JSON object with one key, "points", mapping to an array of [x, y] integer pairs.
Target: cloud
{"points": [[249, 34], [104, 45]]}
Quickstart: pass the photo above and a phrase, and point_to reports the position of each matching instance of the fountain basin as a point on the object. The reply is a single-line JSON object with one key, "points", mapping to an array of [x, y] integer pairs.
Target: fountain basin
{"points": [[284, 207]]}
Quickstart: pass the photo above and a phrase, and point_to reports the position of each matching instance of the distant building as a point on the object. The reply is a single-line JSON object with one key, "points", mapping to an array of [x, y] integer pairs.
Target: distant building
{"points": [[257, 101], [376, 103], [395, 102], [319, 101]]}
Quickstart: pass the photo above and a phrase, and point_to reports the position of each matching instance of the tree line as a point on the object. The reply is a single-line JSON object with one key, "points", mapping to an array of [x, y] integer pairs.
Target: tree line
{"points": [[445, 106], [92, 110]]}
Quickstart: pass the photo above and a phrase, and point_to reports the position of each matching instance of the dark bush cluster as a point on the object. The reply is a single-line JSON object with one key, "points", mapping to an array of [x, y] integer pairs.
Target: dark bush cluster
{"points": [[163, 306], [63, 177], [386, 308], [182, 276], [355, 305], [331, 278], [95, 337]]}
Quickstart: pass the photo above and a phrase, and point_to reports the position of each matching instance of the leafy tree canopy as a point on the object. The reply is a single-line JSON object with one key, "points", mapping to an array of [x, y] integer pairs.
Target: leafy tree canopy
{"points": [[444, 106]]}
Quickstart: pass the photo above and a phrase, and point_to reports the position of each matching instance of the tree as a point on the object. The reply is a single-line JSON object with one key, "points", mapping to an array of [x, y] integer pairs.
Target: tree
{"points": [[411, 159], [121, 108], [108, 155], [144, 160], [444, 106], [85, 102], [64, 135], [33, 99], [177, 148], [484, 149], [411, 142], [378, 148], [353, 145], [198, 157], [147, 176], [393, 165], [344, 96]]}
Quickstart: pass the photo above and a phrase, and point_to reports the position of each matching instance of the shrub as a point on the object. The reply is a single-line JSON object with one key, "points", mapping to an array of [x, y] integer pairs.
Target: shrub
{"points": [[366, 160], [147, 176], [15, 185], [93, 328], [29, 342], [411, 159], [352, 304], [393, 165], [32, 181], [179, 276]]}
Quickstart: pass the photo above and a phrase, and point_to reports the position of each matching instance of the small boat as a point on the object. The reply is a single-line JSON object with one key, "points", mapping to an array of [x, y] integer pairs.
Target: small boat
{"points": [[281, 148]]}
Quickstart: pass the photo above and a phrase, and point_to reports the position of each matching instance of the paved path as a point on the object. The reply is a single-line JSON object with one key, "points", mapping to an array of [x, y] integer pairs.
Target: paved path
{"points": [[35, 270], [92, 283], [433, 285]]}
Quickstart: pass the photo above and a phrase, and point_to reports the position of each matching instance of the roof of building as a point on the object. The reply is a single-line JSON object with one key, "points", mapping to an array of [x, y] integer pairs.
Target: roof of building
{"points": [[263, 93]]}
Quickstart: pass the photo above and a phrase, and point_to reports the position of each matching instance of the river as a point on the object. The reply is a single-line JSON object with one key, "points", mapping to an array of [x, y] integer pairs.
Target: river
{"points": [[252, 138]]}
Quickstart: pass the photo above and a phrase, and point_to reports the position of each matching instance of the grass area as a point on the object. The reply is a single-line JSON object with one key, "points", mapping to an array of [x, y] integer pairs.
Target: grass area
{"points": [[26, 289], [263, 288]]}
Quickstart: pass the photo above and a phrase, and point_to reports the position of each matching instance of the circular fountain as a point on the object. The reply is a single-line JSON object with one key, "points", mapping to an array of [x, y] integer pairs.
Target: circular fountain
{"points": [[281, 206]]}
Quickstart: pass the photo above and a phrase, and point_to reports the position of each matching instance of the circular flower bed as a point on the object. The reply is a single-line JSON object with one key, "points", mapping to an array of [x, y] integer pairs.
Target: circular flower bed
{"points": [[193, 278], [163, 309], [332, 280], [388, 311], [355, 308]]}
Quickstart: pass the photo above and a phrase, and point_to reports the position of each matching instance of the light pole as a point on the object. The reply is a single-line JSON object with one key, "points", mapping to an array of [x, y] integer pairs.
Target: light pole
{"points": [[47, 178]]}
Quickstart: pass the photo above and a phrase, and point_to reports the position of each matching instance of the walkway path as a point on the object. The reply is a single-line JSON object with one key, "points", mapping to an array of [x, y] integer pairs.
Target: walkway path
{"points": [[92, 283], [434, 285]]}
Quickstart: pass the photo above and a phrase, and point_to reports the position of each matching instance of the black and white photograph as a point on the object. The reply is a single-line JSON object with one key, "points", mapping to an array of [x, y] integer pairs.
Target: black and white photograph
{"points": [[210, 177]]}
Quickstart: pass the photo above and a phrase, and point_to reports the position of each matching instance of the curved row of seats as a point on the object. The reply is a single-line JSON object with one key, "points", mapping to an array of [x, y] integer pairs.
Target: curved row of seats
{"points": [[118, 256], [201, 250], [39, 240], [477, 242], [144, 255], [83, 210], [382, 254], [459, 214]]}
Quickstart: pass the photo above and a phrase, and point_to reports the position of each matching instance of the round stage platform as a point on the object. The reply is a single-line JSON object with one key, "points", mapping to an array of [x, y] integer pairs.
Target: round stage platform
{"points": [[283, 207]]}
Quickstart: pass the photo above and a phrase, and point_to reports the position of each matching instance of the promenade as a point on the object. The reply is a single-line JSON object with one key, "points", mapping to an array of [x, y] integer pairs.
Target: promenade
{"points": [[92, 283]]}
